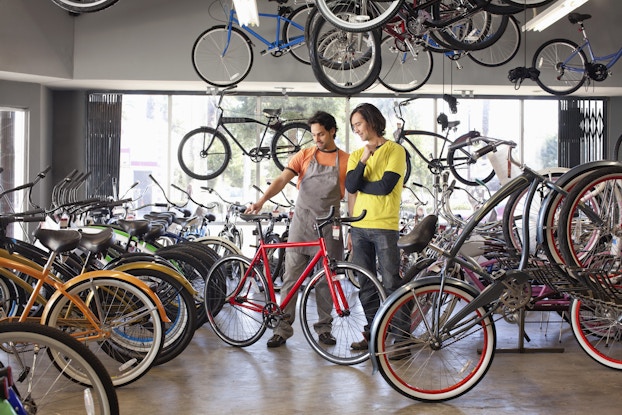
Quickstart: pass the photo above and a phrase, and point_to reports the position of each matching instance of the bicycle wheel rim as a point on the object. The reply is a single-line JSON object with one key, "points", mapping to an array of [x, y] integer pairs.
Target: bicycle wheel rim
{"points": [[561, 73], [131, 345], [348, 325], [222, 57], [405, 68], [54, 388], [378, 13], [342, 62], [597, 329], [429, 373]]}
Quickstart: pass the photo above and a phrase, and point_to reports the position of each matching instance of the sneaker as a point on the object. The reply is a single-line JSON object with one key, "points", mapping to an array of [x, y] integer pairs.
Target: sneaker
{"points": [[363, 344], [327, 338], [276, 341]]}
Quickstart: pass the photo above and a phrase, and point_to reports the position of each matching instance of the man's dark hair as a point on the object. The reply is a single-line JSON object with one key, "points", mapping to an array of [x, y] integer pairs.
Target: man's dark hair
{"points": [[372, 116], [324, 119]]}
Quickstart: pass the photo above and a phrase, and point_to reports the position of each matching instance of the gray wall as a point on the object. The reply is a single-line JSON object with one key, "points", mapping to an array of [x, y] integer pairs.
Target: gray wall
{"points": [[152, 40]]}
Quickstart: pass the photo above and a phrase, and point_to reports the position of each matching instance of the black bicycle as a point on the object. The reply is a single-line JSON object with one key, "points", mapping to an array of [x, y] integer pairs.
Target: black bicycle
{"points": [[205, 152]]}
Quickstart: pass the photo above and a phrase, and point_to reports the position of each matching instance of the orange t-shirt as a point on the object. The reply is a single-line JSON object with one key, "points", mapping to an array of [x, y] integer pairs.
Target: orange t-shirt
{"points": [[301, 160]]}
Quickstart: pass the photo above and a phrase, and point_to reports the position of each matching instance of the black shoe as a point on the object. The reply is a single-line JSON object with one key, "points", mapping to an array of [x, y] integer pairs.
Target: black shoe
{"points": [[362, 345], [328, 339], [276, 341]]}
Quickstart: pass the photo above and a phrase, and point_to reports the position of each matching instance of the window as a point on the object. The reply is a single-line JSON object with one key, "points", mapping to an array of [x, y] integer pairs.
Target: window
{"points": [[13, 146], [153, 126]]}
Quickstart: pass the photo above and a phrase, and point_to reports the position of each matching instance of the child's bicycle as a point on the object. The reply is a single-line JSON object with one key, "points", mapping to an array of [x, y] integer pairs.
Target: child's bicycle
{"points": [[241, 301]]}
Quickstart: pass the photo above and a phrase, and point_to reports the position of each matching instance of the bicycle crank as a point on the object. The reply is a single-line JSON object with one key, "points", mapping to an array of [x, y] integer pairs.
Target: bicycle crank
{"points": [[272, 315], [259, 153], [515, 295]]}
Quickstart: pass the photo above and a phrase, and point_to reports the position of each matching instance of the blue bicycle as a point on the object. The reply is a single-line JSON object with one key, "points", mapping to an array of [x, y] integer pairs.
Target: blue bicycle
{"points": [[565, 66], [222, 55]]}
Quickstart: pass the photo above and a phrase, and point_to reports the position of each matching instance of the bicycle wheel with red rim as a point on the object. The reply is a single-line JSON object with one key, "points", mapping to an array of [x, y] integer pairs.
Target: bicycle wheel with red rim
{"points": [[598, 330], [417, 355]]}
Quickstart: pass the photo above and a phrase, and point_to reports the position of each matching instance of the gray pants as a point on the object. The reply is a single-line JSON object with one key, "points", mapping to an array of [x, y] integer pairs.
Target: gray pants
{"points": [[295, 263]]}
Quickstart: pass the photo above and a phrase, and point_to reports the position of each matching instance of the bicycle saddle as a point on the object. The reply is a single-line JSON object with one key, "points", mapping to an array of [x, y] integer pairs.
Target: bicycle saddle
{"points": [[137, 227], [272, 112], [445, 123], [97, 242], [417, 239], [253, 218], [575, 18], [58, 240]]}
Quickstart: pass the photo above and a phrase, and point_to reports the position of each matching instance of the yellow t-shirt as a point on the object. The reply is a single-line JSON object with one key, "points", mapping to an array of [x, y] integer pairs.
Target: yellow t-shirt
{"points": [[383, 211]]}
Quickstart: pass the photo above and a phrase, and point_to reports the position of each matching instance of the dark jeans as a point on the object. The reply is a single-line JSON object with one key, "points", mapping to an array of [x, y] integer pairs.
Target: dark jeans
{"points": [[369, 245]]}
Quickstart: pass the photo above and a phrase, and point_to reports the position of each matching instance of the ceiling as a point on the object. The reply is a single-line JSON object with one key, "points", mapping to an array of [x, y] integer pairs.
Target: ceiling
{"points": [[528, 87]]}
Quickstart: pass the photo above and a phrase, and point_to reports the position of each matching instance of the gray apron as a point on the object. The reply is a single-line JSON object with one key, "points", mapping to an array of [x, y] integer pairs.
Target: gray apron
{"points": [[319, 190]]}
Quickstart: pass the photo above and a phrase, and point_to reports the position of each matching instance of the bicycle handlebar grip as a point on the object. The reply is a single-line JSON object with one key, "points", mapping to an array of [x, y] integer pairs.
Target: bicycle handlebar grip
{"points": [[355, 219], [484, 150]]}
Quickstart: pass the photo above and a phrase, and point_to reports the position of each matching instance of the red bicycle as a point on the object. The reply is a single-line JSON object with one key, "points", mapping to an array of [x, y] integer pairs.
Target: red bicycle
{"points": [[241, 302]]}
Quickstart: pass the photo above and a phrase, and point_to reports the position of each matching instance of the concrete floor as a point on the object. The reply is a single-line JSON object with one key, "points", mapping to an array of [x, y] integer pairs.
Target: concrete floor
{"points": [[213, 377]]}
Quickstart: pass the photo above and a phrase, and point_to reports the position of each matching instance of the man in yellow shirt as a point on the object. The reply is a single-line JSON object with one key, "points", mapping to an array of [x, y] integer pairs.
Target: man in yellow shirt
{"points": [[321, 172], [375, 177]]}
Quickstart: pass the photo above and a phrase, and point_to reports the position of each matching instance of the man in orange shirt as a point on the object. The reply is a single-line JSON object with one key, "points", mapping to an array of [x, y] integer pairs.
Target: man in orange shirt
{"points": [[321, 172]]}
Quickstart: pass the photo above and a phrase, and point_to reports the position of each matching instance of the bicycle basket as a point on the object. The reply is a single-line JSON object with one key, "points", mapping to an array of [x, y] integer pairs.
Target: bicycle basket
{"points": [[502, 166]]}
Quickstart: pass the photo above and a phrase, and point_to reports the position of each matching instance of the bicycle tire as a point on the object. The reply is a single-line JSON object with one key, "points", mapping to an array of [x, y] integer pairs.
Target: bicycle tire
{"points": [[380, 12], [135, 337], [346, 328], [222, 246], [432, 369], [513, 212], [229, 297], [597, 330], [616, 149], [218, 68], [11, 297], [81, 372], [404, 69], [194, 267], [584, 243], [528, 3], [548, 60], [503, 50], [499, 7], [473, 32], [84, 6], [462, 166], [548, 219], [344, 63], [291, 33], [192, 153], [180, 308], [289, 140]]}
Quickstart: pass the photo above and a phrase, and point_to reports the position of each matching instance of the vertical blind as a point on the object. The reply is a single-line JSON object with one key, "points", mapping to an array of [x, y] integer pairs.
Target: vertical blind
{"points": [[103, 143]]}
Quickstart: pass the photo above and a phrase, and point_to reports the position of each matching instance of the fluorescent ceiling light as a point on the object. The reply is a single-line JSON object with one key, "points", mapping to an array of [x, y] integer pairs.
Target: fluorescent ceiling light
{"points": [[246, 11], [549, 16]]}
